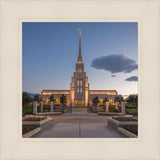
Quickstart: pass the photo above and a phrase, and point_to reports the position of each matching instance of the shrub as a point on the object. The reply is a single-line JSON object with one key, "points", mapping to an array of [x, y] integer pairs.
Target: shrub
{"points": [[122, 118], [46, 108], [63, 99], [28, 113], [133, 100], [118, 98], [26, 98], [26, 129], [112, 109], [132, 129]]}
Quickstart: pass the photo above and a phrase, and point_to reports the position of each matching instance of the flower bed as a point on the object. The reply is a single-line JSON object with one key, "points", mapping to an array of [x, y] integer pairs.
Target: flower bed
{"points": [[34, 118], [117, 121], [122, 118], [132, 129], [30, 120], [26, 129]]}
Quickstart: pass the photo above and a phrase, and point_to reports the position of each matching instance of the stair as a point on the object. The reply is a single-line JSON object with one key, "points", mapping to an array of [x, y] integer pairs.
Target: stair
{"points": [[79, 109]]}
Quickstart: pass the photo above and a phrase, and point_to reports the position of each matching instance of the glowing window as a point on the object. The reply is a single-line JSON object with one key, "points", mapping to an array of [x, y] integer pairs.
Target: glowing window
{"points": [[100, 101], [77, 89], [80, 82], [81, 90], [79, 69], [57, 100], [77, 82]]}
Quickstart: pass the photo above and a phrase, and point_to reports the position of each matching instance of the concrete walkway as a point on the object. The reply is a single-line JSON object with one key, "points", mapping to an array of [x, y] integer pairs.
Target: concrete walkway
{"points": [[79, 126]]}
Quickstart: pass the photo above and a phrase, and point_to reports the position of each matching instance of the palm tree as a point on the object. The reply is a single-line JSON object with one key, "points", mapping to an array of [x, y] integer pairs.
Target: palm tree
{"points": [[63, 99], [52, 98], [95, 100], [38, 98], [105, 100]]}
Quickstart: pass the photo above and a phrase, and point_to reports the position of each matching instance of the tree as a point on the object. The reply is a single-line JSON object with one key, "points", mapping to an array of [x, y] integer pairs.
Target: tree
{"points": [[38, 98], [105, 100], [133, 99], [95, 100], [63, 99], [26, 98], [118, 99], [52, 98]]}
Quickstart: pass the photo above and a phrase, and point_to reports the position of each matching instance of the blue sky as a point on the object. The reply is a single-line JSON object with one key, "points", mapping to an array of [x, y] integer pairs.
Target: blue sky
{"points": [[109, 51]]}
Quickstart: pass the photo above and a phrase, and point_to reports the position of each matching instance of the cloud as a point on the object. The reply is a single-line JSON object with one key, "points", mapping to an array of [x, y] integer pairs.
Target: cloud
{"points": [[132, 78], [113, 75], [115, 63]]}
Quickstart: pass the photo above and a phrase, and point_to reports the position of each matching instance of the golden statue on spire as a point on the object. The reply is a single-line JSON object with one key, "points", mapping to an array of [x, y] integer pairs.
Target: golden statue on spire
{"points": [[79, 31]]}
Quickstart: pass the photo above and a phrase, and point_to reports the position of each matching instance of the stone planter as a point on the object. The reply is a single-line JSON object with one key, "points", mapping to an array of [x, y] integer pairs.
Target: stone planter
{"points": [[41, 123], [110, 113], [115, 123], [127, 133], [50, 113], [32, 133]]}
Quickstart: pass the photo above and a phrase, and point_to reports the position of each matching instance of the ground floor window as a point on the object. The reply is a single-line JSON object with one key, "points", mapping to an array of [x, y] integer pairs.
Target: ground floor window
{"points": [[100, 101], [57, 100], [110, 102]]}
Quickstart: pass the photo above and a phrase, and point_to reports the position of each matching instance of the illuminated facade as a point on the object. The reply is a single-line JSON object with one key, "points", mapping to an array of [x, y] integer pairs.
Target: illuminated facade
{"points": [[79, 93]]}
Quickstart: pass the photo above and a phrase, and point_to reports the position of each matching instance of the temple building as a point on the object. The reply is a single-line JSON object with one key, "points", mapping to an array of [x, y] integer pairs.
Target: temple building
{"points": [[79, 93]]}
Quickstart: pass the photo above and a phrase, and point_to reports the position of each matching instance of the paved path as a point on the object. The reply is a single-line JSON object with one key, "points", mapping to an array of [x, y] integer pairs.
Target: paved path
{"points": [[79, 126]]}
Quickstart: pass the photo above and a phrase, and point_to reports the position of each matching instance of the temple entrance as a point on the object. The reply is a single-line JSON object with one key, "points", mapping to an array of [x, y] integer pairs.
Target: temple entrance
{"points": [[79, 107], [79, 102]]}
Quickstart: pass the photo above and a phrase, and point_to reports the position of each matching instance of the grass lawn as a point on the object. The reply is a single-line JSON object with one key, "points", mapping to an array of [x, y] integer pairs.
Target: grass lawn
{"points": [[28, 105], [27, 110], [130, 110]]}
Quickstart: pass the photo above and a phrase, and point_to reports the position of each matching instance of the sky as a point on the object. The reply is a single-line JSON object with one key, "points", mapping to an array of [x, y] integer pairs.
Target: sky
{"points": [[109, 52]]}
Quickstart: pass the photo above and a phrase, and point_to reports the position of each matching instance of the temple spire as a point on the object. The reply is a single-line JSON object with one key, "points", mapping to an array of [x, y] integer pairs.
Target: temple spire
{"points": [[79, 60]]}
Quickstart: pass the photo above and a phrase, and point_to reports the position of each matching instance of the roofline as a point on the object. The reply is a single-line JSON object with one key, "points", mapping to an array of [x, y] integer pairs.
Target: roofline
{"points": [[103, 90], [69, 90], [55, 91]]}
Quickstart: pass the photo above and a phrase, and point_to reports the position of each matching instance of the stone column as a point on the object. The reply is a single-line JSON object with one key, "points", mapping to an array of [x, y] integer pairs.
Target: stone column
{"points": [[34, 107], [117, 104], [107, 106], [51, 106], [41, 106], [123, 109]]}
